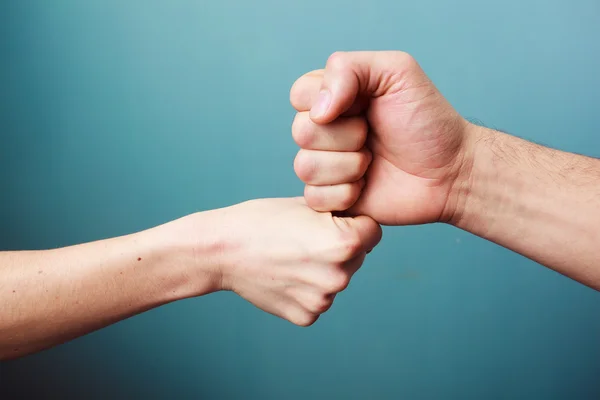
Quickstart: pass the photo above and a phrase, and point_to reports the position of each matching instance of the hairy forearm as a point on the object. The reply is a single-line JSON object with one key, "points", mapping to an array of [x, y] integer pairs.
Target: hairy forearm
{"points": [[540, 202], [48, 297]]}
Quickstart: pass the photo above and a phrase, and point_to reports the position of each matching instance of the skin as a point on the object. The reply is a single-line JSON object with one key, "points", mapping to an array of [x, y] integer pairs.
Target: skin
{"points": [[381, 145], [420, 162], [48, 297]]}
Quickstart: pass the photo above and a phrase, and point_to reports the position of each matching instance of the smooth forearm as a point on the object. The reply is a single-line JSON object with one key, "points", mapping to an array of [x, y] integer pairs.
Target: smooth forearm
{"points": [[539, 202], [51, 296]]}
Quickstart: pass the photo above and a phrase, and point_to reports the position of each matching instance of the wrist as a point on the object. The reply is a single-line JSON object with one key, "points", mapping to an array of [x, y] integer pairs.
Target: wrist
{"points": [[193, 249], [461, 201]]}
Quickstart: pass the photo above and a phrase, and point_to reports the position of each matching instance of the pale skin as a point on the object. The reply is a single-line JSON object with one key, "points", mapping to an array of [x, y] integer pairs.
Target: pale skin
{"points": [[378, 139], [387, 148], [48, 297]]}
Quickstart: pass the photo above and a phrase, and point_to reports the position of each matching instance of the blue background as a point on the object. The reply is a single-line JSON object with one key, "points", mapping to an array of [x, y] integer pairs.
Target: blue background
{"points": [[119, 115]]}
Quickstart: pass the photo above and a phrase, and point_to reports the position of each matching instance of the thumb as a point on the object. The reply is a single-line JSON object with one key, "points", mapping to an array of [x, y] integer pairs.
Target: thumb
{"points": [[369, 231], [339, 88], [350, 76]]}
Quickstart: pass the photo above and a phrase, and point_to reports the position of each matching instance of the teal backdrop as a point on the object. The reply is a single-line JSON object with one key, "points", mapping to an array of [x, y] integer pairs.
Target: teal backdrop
{"points": [[119, 115]]}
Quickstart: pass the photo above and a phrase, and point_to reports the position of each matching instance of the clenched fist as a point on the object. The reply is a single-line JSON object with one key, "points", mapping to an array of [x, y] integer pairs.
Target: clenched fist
{"points": [[287, 259], [377, 138]]}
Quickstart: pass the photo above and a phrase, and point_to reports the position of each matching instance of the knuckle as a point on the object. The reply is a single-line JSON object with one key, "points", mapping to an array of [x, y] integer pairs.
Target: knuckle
{"points": [[361, 129], [364, 159], [305, 166], [296, 94], [406, 59], [352, 247], [349, 195], [349, 247], [301, 130], [338, 281], [303, 318], [313, 196], [320, 304], [337, 60]]}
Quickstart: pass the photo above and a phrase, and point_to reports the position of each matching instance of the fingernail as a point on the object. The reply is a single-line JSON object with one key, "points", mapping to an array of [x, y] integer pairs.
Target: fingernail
{"points": [[322, 105]]}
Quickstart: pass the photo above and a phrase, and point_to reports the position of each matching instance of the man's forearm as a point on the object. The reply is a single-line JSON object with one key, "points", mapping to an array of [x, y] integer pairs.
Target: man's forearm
{"points": [[539, 202], [51, 296]]}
